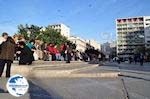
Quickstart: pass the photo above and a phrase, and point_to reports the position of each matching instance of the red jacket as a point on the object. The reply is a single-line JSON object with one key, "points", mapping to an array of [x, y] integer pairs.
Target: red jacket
{"points": [[51, 49], [62, 47], [56, 51]]}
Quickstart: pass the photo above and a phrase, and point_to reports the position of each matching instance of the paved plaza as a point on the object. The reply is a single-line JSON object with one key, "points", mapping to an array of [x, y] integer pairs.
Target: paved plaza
{"points": [[80, 80]]}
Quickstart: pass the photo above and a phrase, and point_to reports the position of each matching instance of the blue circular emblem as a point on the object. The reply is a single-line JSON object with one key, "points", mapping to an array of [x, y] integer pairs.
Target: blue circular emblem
{"points": [[17, 85]]}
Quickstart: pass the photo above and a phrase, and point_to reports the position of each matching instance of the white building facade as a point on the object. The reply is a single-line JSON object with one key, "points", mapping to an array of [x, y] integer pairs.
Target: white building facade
{"points": [[63, 29], [94, 44], [132, 32], [147, 30], [80, 43]]}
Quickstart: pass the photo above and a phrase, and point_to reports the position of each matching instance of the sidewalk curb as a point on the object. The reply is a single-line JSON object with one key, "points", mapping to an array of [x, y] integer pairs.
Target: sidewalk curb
{"points": [[32, 72], [54, 73], [136, 72], [136, 76], [81, 75], [72, 73]]}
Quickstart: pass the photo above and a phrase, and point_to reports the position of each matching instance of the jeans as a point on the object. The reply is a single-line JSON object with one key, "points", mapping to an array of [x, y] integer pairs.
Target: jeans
{"points": [[58, 57], [2, 65]]}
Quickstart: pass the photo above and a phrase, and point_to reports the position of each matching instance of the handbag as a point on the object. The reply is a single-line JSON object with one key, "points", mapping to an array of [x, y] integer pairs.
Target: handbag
{"points": [[36, 57]]}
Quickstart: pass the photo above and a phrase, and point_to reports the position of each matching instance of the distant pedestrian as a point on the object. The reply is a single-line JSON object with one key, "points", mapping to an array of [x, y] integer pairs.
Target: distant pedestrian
{"points": [[7, 55], [130, 60], [141, 59], [68, 54], [135, 59], [118, 60]]}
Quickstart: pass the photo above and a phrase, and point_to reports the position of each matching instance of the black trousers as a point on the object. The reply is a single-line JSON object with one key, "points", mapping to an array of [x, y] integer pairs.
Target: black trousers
{"points": [[2, 65], [53, 57], [68, 58]]}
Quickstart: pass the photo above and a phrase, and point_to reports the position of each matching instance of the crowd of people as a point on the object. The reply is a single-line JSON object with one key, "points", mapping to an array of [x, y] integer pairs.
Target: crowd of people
{"points": [[138, 58], [14, 48]]}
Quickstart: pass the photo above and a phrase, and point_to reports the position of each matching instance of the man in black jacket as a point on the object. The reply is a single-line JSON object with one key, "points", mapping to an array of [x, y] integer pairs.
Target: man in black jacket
{"points": [[26, 55]]}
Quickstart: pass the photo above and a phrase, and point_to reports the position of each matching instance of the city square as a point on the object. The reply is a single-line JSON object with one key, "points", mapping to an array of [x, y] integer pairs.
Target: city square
{"points": [[74, 49]]}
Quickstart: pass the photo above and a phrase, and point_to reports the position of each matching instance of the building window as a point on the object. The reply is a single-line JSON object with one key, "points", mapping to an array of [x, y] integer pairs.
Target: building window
{"points": [[135, 19], [59, 30], [129, 20], [124, 20], [147, 20], [140, 19], [119, 29], [119, 21]]}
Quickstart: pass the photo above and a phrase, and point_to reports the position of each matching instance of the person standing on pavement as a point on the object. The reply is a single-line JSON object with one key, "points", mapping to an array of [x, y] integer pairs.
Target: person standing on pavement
{"points": [[44, 48], [135, 59], [68, 54], [63, 48], [7, 55], [118, 60], [51, 51], [130, 60], [141, 59]]}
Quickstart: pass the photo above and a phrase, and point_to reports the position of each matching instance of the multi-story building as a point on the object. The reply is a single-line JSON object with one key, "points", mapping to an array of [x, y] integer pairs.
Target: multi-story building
{"points": [[80, 43], [94, 44], [109, 49], [105, 48], [113, 44], [63, 29], [147, 31], [132, 33]]}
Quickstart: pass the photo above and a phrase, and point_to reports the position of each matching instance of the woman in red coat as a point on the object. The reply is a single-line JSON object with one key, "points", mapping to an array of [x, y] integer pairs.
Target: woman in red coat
{"points": [[52, 51]]}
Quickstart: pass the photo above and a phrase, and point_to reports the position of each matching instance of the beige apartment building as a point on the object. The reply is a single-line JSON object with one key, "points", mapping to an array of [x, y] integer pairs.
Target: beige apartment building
{"points": [[132, 32], [62, 28], [80, 43]]}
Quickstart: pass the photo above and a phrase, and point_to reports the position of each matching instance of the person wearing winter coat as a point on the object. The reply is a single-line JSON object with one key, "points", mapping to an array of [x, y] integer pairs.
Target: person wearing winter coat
{"points": [[26, 54], [7, 55]]}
